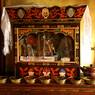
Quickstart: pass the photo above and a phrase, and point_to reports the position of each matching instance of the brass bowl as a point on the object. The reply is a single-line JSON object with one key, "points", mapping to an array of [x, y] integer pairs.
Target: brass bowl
{"points": [[45, 81], [29, 79], [60, 80], [15, 80], [93, 82], [78, 82], [3, 79], [89, 81]]}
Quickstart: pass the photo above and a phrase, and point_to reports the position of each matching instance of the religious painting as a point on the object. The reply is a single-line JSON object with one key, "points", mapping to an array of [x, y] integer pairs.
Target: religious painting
{"points": [[45, 44]]}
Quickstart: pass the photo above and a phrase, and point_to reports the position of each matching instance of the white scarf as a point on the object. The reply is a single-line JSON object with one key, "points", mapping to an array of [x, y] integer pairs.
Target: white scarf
{"points": [[6, 29]]}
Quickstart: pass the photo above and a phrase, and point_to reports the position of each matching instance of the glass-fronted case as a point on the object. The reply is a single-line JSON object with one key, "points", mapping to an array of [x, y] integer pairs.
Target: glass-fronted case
{"points": [[46, 44]]}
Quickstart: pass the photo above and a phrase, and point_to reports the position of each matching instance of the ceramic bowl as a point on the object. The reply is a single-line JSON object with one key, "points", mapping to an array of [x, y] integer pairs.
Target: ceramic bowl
{"points": [[29, 79], [3, 79]]}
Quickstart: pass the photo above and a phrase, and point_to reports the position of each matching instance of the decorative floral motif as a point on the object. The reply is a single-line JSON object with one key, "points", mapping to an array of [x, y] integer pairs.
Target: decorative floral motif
{"points": [[45, 71], [12, 13], [62, 14], [79, 12], [54, 12], [36, 13], [28, 14], [70, 72]]}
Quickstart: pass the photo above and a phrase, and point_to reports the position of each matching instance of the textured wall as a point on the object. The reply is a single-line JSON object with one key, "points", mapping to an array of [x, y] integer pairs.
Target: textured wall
{"points": [[45, 2], [90, 3]]}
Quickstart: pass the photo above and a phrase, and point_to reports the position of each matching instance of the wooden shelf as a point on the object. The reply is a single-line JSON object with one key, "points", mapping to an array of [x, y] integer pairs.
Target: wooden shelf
{"points": [[40, 89], [59, 63]]}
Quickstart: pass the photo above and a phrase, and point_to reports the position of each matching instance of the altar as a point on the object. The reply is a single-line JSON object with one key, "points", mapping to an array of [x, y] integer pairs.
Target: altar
{"points": [[45, 43]]}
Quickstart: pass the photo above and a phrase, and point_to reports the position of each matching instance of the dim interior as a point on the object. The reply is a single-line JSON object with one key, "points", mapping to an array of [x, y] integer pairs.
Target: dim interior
{"points": [[45, 45]]}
